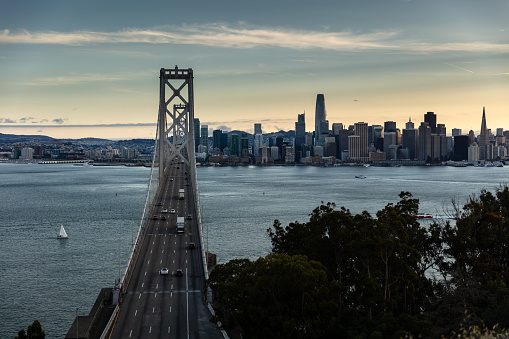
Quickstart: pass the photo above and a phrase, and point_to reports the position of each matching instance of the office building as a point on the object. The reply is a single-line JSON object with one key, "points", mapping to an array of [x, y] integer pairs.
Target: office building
{"points": [[321, 123], [473, 152], [431, 119], [300, 130], [424, 141], [483, 139], [460, 147], [235, 145], [456, 132], [204, 136], [257, 129], [410, 141], [196, 134]]}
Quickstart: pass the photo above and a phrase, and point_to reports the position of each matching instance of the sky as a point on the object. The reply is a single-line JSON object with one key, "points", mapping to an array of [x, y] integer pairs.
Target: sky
{"points": [[73, 69]]}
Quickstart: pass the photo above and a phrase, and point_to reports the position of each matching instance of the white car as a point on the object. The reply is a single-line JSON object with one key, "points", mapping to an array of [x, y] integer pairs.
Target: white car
{"points": [[172, 211], [163, 271], [164, 210]]}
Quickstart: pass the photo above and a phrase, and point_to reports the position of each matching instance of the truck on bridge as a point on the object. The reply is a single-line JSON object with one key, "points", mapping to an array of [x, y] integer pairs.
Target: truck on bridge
{"points": [[180, 224], [181, 194]]}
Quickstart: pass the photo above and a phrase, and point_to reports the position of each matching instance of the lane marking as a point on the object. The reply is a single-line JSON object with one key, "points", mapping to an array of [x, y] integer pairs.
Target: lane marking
{"points": [[139, 296], [157, 286], [150, 330], [168, 329], [130, 333], [170, 308], [145, 273], [135, 313], [153, 309], [142, 284]]}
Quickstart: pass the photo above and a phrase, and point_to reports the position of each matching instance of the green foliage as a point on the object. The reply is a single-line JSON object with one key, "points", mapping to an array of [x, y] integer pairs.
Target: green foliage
{"points": [[34, 331], [355, 276], [279, 296]]}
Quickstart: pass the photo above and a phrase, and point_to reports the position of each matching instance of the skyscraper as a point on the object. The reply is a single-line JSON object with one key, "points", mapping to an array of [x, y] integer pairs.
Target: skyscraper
{"points": [[431, 119], [389, 126], [205, 137], [483, 137], [257, 128], [196, 134], [300, 130], [424, 141], [320, 118], [410, 138]]}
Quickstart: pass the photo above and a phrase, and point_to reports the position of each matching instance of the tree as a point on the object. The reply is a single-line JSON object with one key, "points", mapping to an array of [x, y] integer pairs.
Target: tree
{"points": [[278, 296], [34, 331]]}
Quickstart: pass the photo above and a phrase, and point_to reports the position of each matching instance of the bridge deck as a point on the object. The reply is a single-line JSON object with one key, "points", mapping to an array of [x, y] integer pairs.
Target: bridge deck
{"points": [[167, 306]]}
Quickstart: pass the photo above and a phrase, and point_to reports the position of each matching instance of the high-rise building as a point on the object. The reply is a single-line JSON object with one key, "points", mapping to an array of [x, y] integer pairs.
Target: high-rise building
{"points": [[234, 144], [244, 145], [216, 139], [361, 129], [336, 127], [389, 126], [500, 131], [320, 118], [300, 130], [473, 152], [431, 119], [424, 141], [409, 124], [196, 134], [483, 138], [460, 147], [410, 141], [204, 137], [258, 129], [456, 132]]}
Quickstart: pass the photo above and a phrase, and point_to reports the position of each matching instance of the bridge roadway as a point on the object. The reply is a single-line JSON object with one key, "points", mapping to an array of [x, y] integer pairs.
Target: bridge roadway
{"points": [[167, 306]]}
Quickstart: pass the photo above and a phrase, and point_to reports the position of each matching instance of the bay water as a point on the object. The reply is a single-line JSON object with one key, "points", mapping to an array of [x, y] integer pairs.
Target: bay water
{"points": [[51, 280]]}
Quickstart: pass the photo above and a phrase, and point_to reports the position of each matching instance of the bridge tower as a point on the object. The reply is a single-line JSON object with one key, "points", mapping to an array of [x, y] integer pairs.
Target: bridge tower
{"points": [[176, 119]]}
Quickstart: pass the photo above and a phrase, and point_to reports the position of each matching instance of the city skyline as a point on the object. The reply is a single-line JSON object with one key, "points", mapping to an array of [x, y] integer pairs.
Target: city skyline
{"points": [[72, 70]]}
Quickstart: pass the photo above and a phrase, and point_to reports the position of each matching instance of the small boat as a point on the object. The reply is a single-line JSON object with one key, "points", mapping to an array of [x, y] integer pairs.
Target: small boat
{"points": [[360, 176], [423, 216], [62, 234]]}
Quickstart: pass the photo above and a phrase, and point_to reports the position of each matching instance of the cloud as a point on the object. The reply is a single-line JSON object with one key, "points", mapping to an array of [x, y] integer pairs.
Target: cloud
{"points": [[59, 121], [26, 119], [72, 79], [7, 121], [246, 37], [224, 128]]}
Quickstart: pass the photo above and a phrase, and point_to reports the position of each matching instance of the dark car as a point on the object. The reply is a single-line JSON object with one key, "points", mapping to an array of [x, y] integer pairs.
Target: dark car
{"points": [[163, 218], [179, 272], [155, 217], [159, 204], [192, 246], [189, 217]]}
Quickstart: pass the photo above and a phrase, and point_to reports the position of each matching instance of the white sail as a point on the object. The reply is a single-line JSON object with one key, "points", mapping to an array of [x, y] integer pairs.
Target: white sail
{"points": [[62, 234]]}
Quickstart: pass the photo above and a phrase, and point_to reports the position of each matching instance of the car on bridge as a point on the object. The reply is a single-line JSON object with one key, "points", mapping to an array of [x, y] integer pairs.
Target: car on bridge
{"points": [[179, 272], [164, 210], [189, 217], [192, 245], [155, 217], [163, 271], [172, 211], [163, 218]]}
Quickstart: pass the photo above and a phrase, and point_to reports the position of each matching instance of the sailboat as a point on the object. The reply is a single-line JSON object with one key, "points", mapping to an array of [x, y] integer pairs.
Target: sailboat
{"points": [[62, 234]]}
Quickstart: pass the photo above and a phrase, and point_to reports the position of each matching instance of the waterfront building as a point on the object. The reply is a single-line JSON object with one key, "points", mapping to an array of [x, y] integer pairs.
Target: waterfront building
{"points": [[317, 151], [390, 139], [431, 119], [196, 134], [460, 147], [473, 152], [321, 123], [289, 154], [216, 139]]}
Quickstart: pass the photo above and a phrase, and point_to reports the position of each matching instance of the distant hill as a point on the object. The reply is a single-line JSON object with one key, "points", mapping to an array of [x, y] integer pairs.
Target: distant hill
{"points": [[13, 138]]}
